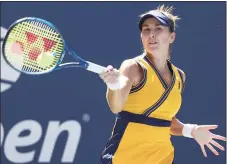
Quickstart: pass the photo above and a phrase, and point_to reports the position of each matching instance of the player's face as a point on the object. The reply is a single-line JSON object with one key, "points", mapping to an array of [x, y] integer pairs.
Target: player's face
{"points": [[156, 37]]}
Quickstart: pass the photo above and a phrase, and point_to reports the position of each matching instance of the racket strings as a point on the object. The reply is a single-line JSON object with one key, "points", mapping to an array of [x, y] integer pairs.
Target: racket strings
{"points": [[33, 39]]}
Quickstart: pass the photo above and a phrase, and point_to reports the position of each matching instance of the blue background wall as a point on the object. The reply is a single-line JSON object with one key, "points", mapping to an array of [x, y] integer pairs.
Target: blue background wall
{"points": [[107, 33]]}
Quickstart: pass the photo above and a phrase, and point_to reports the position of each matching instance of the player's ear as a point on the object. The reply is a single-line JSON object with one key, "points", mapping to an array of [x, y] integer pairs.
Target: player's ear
{"points": [[172, 37]]}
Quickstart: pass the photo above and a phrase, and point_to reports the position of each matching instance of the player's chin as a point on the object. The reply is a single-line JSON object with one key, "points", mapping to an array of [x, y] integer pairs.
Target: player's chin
{"points": [[152, 48]]}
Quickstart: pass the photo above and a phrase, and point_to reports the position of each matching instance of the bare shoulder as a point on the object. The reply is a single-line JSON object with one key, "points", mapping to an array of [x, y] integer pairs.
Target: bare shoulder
{"points": [[128, 64], [131, 69]]}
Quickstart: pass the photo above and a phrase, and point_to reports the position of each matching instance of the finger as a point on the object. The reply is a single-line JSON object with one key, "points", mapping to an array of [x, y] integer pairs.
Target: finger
{"points": [[203, 150], [109, 68], [112, 73], [212, 149], [217, 145], [107, 74], [103, 74], [219, 137], [209, 126], [111, 80], [107, 78]]}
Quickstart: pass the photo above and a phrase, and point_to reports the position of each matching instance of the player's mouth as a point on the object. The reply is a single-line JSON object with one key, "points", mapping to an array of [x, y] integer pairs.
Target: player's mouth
{"points": [[152, 43]]}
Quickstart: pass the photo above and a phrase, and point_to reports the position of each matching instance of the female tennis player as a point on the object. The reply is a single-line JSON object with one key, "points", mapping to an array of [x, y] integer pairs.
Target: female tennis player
{"points": [[148, 99]]}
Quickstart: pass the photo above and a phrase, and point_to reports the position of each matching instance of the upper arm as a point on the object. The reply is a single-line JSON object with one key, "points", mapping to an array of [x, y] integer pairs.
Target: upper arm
{"points": [[117, 98], [128, 69]]}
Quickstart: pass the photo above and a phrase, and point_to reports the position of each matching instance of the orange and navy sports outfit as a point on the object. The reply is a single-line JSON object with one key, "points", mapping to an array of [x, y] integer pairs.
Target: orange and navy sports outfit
{"points": [[141, 134]]}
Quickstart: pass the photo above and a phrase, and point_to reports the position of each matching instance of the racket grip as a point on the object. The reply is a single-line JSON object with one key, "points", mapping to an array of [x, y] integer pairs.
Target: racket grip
{"points": [[100, 69], [95, 68]]}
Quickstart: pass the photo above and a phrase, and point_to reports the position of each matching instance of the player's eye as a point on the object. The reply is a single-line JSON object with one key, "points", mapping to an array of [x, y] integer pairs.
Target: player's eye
{"points": [[146, 29]]}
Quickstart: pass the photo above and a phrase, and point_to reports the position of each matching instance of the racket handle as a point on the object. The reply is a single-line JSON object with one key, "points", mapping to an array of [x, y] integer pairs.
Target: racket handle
{"points": [[95, 68], [100, 69]]}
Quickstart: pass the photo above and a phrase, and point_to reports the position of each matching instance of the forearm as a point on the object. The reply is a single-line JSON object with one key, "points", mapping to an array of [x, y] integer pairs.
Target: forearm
{"points": [[115, 100], [123, 79], [180, 129], [176, 127]]}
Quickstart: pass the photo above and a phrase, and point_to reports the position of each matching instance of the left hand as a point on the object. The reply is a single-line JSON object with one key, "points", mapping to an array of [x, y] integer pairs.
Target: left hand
{"points": [[204, 137]]}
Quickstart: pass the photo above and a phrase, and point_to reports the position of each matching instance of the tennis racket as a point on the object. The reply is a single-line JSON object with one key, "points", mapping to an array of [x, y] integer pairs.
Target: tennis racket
{"points": [[35, 46]]}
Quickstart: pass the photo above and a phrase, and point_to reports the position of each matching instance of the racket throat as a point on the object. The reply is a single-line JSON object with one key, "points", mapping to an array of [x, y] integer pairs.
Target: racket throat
{"points": [[70, 65], [80, 62]]}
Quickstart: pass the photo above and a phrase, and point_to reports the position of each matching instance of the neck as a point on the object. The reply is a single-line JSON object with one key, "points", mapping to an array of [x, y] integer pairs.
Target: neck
{"points": [[159, 61]]}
